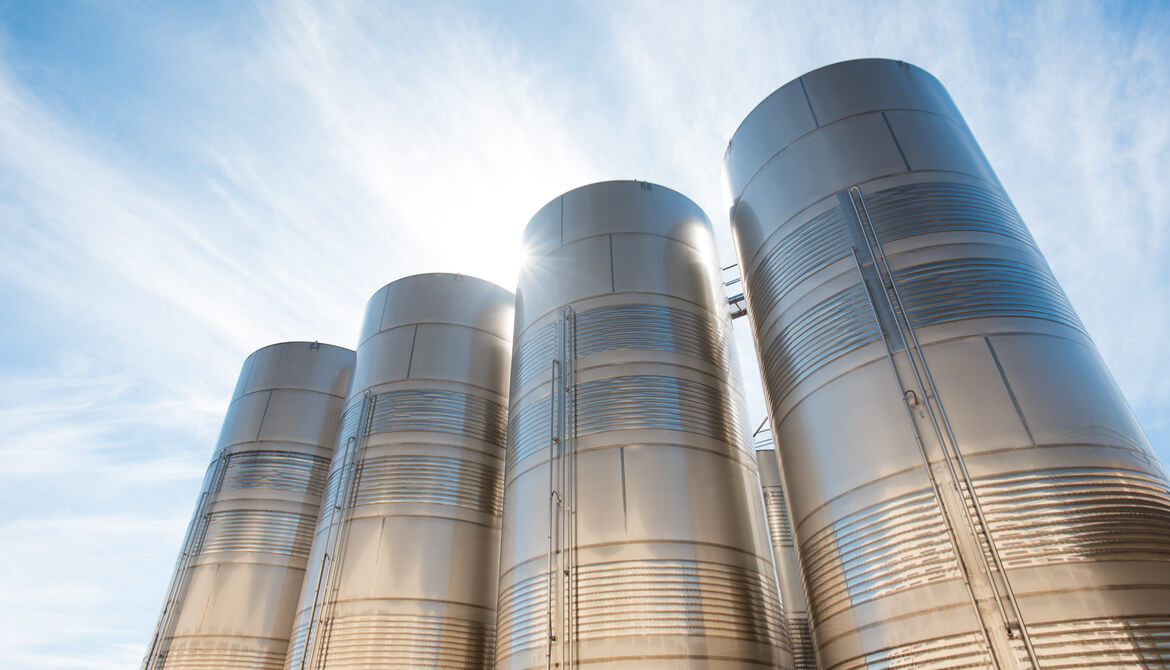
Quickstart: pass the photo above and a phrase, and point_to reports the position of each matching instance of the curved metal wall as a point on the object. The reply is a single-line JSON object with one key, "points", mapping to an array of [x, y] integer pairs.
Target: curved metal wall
{"points": [[406, 552], [633, 534], [233, 597], [787, 564], [904, 315]]}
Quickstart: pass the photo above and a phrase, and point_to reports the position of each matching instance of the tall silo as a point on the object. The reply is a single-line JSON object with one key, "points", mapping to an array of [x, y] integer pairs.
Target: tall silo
{"points": [[404, 563], [787, 564], [968, 486], [633, 533], [232, 599]]}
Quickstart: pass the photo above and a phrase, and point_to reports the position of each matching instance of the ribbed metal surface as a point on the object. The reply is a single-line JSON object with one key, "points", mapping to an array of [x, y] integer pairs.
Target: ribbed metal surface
{"points": [[231, 601], [655, 401], [633, 529], [265, 531], [439, 411], [838, 325], [386, 640], [202, 659], [430, 479], [795, 605], [964, 477], [303, 473], [1131, 642], [972, 288], [953, 652], [1083, 514], [405, 556], [897, 545]]}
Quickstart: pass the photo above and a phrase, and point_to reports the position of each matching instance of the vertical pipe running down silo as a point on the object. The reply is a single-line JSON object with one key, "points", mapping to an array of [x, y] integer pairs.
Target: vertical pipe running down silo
{"points": [[633, 533], [405, 556], [967, 484], [232, 600]]}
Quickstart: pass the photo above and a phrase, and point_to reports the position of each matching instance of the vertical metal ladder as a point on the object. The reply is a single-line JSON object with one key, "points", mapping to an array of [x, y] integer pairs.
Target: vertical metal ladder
{"points": [[192, 545], [329, 572], [561, 617], [989, 589]]}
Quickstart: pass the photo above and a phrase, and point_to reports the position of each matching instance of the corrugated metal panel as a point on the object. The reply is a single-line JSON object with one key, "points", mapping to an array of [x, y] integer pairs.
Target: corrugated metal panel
{"points": [[429, 479], [266, 531], [441, 411], [898, 544]]}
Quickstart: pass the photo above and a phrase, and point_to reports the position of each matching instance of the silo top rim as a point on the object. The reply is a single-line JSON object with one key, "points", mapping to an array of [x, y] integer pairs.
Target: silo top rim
{"points": [[608, 182], [308, 343], [439, 275], [796, 82]]}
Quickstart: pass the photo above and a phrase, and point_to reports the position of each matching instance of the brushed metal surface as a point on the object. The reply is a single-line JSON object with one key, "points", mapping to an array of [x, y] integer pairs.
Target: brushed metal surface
{"points": [[405, 556], [787, 563], [968, 487], [233, 597], [633, 532]]}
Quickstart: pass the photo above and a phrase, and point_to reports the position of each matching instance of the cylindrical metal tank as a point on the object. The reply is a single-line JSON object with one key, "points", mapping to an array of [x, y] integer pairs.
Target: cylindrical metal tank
{"points": [[232, 599], [404, 562], [634, 534], [787, 564], [968, 486]]}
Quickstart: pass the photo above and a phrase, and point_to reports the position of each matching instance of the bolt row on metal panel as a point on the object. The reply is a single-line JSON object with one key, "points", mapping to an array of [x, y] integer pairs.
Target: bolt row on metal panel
{"points": [[956, 481]]}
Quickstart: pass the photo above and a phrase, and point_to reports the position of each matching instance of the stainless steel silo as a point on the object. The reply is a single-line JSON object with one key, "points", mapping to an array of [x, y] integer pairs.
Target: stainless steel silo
{"points": [[968, 486], [787, 564], [633, 533], [404, 563], [232, 599]]}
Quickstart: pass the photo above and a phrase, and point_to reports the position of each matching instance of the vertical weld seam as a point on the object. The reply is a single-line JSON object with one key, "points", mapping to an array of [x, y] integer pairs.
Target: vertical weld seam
{"points": [[1011, 394], [410, 360], [260, 427], [612, 281], [378, 553], [382, 316], [896, 142], [625, 516], [808, 100], [562, 221]]}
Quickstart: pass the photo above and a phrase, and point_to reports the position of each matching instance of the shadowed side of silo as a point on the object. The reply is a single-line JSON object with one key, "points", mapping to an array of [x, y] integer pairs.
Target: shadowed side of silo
{"points": [[967, 484], [787, 564], [404, 563], [633, 533], [233, 597]]}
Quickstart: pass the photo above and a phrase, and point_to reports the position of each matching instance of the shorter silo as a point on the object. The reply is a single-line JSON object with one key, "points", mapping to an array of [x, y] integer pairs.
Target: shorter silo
{"points": [[232, 599], [405, 557], [787, 565]]}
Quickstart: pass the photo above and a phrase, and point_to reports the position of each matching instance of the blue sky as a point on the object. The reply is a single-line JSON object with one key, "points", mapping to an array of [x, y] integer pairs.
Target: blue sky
{"points": [[181, 184]]}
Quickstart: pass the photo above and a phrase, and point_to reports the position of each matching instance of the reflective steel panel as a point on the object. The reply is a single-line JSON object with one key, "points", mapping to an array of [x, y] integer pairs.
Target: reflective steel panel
{"points": [[634, 534], [405, 556], [233, 597], [787, 564], [968, 486]]}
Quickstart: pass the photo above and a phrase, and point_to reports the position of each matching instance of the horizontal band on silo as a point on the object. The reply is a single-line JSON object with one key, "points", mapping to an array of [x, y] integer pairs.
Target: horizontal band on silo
{"points": [[898, 544], [265, 531], [1083, 514], [429, 479], [287, 470], [664, 597], [385, 639], [777, 511], [837, 325], [439, 411], [198, 654]]}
